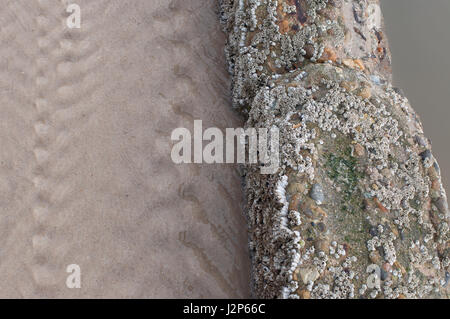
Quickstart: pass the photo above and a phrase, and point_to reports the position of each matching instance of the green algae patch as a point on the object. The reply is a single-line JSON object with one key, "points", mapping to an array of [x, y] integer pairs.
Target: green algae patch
{"points": [[342, 169]]}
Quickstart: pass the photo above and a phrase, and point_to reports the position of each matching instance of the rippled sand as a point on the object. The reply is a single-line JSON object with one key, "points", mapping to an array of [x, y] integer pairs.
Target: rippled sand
{"points": [[85, 171]]}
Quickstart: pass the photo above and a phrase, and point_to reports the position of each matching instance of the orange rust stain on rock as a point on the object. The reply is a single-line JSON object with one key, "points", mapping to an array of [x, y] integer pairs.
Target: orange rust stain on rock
{"points": [[365, 92], [328, 55], [284, 26], [348, 62], [435, 185], [360, 63], [354, 63], [291, 21], [305, 294], [318, 210], [380, 206], [295, 202]]}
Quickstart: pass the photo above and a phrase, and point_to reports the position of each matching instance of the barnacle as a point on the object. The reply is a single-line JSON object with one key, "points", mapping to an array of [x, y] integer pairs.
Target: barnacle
{"points": [[348, 138]]}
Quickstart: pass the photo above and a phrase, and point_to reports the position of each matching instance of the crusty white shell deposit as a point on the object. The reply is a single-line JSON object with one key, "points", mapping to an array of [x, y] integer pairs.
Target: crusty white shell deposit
{"points": [[357, 208]]}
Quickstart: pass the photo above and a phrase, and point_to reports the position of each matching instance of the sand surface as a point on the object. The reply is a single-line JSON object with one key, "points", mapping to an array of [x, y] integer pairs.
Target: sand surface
{"points": [[85, 171]]}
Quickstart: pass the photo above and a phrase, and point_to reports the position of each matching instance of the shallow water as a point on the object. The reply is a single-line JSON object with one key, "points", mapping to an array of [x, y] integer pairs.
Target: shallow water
{"points": [[86, 173]]}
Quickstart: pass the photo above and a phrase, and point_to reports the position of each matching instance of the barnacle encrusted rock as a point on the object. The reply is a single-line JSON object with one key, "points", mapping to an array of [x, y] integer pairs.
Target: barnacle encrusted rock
{"points": [[267, 40], [357, 208]]}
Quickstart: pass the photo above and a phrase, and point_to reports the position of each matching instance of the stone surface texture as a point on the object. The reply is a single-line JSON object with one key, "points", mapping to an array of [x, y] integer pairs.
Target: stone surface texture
{"points": [[357, 208]]}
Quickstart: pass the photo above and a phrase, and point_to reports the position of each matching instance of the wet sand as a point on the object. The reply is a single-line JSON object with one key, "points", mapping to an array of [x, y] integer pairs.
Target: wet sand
{"points": [[85, 171]]}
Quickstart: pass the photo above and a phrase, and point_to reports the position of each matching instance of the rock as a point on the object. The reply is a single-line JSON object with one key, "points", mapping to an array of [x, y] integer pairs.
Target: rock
{"points": [[365, 93], [349, 86], [376, 79], [402, 234], [395, 232], [383, 274], [335, 3], [317, 194], [321, 227], [309, 274], [447, 279], [305, 294], [319, 212], [436, 167], [387, 267], [380, 251], [435, 185], [373, 231], [294, 203], [328, 55], [421, 141], [359, 150], [360, 64], [354, 64], [380, 206], [375, 257], [284, 26], [309, 49], [425, 155], [399, 91], [400, 266], [386, 172], [308, 213], [322, 245], [296, 188], [442, 205]]}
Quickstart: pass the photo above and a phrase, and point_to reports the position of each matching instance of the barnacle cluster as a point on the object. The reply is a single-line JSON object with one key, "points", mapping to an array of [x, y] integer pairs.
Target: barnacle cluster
{"points": [[357, 208], [261, 49]]}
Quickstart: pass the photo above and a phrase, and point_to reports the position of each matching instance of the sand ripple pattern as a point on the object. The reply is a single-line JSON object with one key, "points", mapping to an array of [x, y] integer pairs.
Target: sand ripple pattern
{"points": [[85, 169]]}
